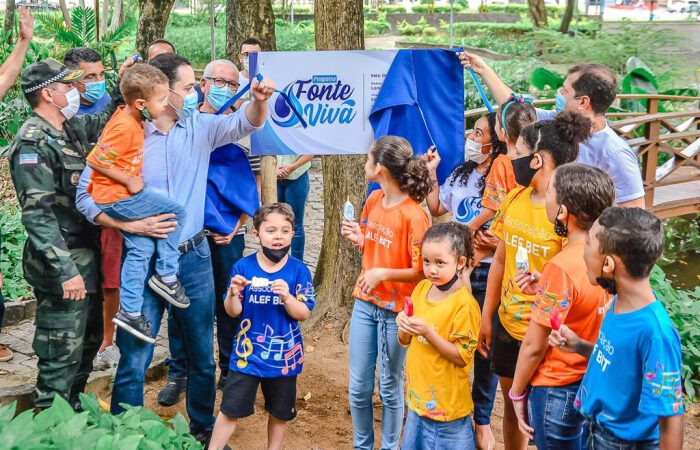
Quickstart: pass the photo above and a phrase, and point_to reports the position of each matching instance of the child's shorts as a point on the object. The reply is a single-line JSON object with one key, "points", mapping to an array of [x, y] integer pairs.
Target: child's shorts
{"points": [[504, 350], [238, 400], [421, 433]]}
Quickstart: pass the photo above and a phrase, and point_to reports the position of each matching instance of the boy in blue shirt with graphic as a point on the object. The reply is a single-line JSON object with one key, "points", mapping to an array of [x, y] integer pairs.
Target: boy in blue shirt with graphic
{"points": [[270, 292], [631, 394]]}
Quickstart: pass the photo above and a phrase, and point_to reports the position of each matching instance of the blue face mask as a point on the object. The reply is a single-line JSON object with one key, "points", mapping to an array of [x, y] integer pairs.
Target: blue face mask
{"points": [[189, 104], [94, 91], [559, 101], [218, 96]]}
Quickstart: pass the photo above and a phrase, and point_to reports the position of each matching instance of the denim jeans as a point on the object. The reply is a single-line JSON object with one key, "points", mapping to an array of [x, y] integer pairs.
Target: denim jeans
{"points": [[295, 193], [223, 257], [197, 326], [421, 433], [140, 249], [485, 381], [373, 336], [557, 423], [598, 438]]}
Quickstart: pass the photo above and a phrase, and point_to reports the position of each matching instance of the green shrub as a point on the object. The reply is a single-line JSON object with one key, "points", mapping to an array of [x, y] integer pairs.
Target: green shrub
{"points": [[278, 10], [391, 9], [684, 309], [14, 286], [379, 26], [59, 427], [438, 9], [552, 11]]}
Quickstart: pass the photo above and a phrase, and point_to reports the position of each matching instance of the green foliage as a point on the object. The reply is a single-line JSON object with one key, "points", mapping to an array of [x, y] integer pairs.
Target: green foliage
{"points": [[515, 8], [682, 236], [391, 9], [14, 287], [419, 28], [59, 427], [544, 79], [379, 26], [299, 37], [437, 9], [684, 309], [279, 11]]}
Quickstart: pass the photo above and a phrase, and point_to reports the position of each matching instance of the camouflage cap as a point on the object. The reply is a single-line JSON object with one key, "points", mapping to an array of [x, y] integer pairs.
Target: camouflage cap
{"points": [[41, 74]]}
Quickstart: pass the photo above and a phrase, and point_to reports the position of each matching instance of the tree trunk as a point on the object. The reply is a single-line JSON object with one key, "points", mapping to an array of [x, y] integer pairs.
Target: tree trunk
{"points": [[9, 25], [104, 17], [116, 16], [538, 13], [254, 18], [152, 22], [339, 25], [81, 3], [568, 15], [66, 14]]}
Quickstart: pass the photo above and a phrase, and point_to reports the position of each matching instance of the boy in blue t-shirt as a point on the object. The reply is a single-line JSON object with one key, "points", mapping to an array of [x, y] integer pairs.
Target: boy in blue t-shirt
{"points": [[631, 395], [270, 292]]}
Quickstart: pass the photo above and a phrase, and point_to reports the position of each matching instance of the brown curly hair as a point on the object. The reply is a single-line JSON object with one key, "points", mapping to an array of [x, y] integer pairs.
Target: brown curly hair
{"points": [[396, 154]]}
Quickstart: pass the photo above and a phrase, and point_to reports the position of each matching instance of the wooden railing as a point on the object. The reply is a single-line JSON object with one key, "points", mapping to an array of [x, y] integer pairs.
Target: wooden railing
{"points": [[672, 188]]}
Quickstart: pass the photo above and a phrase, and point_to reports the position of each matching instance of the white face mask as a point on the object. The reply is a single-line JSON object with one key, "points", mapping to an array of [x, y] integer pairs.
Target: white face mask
{"points": [[73, 100], [246, 63], [474, 150]]}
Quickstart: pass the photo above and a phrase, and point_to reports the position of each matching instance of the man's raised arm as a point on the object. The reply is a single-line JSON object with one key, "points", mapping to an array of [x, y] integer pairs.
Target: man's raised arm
{"points": [[493, 82]]}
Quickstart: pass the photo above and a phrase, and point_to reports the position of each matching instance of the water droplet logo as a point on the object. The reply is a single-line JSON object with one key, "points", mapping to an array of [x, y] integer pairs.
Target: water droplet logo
{"points": [[282, 114]]}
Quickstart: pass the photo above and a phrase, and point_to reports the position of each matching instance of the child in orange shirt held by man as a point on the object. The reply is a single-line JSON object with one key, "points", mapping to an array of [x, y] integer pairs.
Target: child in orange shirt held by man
{"points": [[118, 190]]}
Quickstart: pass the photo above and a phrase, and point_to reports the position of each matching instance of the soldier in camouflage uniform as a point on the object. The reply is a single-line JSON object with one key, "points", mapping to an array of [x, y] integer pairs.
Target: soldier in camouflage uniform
{"points": [[61, 254]]}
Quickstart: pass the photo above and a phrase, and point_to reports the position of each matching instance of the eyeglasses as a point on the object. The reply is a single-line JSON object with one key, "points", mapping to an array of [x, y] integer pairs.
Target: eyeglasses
{"points": [[219, 82]]}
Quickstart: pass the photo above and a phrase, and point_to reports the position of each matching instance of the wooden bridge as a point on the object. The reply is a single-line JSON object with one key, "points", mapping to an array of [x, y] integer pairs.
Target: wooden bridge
{"points": [[672, 188]]}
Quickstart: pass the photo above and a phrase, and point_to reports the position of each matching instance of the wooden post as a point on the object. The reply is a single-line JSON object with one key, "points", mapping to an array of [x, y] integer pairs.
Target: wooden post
{"points": [[268, 179], [651, 157]]}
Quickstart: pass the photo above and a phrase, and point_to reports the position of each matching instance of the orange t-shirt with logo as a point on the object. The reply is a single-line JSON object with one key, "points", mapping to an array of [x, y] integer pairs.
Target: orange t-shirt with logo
{"points": [[393, 239], [499, 182], [120, 147], [582, 306]]}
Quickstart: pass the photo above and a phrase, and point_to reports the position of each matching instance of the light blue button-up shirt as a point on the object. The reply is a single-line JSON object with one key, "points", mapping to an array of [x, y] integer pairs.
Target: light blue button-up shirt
{"points": [[177, 163]]}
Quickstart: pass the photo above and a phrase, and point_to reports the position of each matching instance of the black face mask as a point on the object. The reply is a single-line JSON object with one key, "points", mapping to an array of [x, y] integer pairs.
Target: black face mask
{"points": [[559, 228], [522, 170], [447, 286], [275, 254], [607, 284]]}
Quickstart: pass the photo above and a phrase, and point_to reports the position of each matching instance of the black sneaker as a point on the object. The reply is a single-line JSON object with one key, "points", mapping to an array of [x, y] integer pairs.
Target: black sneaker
{"points": [[170, 394], [204, 437], [137, 326], [173, 293], [222, 381]]}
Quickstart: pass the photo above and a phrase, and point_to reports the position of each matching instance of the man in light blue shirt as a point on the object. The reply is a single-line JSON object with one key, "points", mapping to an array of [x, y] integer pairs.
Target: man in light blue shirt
{"points": [[176, 163], [589, 90]]}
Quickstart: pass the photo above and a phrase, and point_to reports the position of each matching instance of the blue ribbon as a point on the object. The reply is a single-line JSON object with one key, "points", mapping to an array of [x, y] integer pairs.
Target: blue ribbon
{"points": [[480, 88], [245, 90]]}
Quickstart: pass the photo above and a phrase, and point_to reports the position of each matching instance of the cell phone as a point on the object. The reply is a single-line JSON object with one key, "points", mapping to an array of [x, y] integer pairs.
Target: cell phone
{"points": [[136, 57]]}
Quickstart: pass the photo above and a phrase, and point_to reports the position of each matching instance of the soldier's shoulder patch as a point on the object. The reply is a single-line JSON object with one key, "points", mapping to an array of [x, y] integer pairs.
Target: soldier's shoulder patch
{"points": [[28, 158]]}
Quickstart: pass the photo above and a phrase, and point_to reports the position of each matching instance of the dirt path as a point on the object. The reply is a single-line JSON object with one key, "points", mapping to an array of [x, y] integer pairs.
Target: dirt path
{"points": [[324, 419]]}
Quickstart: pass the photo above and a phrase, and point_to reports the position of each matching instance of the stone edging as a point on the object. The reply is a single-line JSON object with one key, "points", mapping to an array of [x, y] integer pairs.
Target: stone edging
{"points": [[19, 311]]}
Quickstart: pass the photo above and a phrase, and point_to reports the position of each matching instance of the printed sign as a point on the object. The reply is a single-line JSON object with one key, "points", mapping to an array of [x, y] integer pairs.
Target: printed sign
{"points": [[333, 92]]}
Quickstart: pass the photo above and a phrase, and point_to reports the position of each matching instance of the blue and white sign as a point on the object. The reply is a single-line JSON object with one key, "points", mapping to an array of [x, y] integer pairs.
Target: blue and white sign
{"points": [[333, 91]]}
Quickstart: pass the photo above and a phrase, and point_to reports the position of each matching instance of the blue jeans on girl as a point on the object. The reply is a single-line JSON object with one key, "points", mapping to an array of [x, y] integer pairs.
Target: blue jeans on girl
{"points": [[485, 381], [373, 336], [421, 433], [557, 423], [295, 193]]}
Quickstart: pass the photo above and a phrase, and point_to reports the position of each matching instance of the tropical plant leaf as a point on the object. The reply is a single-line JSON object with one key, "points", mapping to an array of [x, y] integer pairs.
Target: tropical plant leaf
{"points": [[83, 24], [543, 78]]}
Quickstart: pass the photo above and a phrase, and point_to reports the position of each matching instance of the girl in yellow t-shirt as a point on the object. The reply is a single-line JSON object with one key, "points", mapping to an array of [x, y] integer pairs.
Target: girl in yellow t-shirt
{"points": [[440, 326], [527, 242]]}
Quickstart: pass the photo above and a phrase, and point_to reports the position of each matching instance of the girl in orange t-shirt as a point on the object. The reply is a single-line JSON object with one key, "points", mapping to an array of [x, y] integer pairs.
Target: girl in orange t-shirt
{"points": [[512, 118], [389, 234], [576, 196]]}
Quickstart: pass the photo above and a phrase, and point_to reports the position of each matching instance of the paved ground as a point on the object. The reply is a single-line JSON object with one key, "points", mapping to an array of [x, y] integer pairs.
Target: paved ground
{"points": [[17, 377]]}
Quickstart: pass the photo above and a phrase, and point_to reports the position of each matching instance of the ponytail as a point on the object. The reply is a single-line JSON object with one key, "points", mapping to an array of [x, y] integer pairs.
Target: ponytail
{"points": [[560, 137], [395, 154]]}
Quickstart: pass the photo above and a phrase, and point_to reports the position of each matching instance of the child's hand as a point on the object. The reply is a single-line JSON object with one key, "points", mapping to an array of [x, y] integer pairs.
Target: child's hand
{"points": [[520, 408], [370, 279], [419, 326], [484, 343], [351, 231], [527, 281], [237, 285], [402, 321], [564, 339], [281, 288], [135, 185], [432, 159]]}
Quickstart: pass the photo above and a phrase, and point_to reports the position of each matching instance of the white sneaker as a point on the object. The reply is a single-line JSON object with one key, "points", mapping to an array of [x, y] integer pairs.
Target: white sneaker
{"points": [[107, 358]]}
